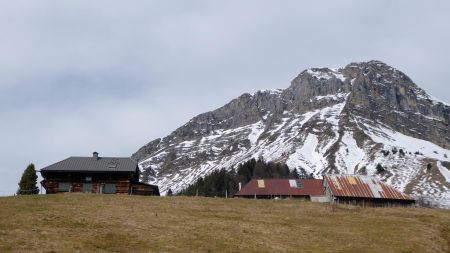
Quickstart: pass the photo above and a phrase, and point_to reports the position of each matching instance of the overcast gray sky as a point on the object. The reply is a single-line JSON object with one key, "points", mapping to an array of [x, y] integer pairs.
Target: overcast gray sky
{"points": [[109, 76]]}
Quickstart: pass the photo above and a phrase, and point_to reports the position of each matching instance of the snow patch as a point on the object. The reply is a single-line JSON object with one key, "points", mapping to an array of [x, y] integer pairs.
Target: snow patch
{"points": [[327, 74], [332, 97], [307, 156], [444, 171], [349, 154], [390, 137], [256, 130], [269, 91]]}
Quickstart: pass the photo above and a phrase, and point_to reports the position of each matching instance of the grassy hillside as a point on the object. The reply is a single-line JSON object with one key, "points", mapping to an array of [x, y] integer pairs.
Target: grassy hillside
{"points": [[96, 223]]}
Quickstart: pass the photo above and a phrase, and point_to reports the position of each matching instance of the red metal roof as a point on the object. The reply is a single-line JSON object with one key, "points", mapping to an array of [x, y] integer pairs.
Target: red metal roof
{"points": [[361, 187], [309, 187]]}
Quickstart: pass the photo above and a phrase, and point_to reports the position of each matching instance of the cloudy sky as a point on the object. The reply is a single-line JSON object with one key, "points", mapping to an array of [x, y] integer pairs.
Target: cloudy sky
{"points": [[109, 76]]}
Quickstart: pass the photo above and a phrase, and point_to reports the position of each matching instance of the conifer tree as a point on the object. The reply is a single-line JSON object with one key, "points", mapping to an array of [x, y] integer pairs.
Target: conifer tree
{"points": [[294, 174], [27, 184], [380, 169]]}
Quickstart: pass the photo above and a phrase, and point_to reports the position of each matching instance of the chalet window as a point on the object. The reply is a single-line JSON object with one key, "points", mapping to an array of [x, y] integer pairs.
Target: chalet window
{"points": [[87, 187], [109, 188], [63, 187]]}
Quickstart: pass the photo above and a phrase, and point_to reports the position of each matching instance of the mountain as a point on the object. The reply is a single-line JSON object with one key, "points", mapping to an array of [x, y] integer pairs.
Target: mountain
{"points": [[365, 118]]}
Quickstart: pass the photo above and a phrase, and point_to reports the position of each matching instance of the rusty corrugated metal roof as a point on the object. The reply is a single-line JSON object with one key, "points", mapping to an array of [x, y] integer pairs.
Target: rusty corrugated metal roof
{"points": [[362, 187], [284, 187]]}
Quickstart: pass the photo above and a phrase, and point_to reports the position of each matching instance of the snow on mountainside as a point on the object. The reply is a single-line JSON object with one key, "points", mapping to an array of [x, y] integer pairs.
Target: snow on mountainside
{"points": [[345, 120]]}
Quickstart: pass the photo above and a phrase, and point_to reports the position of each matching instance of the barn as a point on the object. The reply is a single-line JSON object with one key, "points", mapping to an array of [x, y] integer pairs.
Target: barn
{"points": [[308, 189], [363, 191], [105, 175]]}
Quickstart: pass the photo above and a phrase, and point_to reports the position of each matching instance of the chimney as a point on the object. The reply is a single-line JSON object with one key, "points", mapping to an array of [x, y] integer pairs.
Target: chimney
{"points": [[95, 155]]}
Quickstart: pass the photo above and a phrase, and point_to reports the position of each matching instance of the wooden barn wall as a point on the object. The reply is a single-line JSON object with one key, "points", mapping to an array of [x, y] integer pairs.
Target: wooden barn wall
{"points": [[372, 202], [303, 197], [143, 189], [121, 180]]}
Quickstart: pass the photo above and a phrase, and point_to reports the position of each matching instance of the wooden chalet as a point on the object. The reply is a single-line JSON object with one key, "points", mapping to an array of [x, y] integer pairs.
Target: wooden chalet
{"points": [[307, 189], [104, 175], [363, 191]]}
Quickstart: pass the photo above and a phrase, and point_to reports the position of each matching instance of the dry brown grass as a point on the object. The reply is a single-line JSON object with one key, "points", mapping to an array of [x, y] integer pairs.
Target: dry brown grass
{"points": [[96, 223]]}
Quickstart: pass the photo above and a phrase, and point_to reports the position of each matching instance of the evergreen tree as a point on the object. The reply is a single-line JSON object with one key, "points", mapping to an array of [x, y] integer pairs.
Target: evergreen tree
{"points": [[294, 174], [303, 174], [169, 193], [285, 170], [27, 184], [429, 166], [260, 170], [380, 169]]}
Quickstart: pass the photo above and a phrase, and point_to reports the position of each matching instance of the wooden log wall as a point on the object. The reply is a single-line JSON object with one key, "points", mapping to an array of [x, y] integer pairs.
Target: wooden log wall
{"points": [[77, 180], [143, 189]]}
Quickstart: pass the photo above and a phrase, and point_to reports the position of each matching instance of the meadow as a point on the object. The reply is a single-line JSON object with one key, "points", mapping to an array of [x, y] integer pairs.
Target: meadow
{"points": [[122, 223]]}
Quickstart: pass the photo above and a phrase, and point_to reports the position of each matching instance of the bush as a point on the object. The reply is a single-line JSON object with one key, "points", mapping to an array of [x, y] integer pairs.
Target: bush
{"points": [[394, 150], [380, 169], [294, 174], [429, 166]]}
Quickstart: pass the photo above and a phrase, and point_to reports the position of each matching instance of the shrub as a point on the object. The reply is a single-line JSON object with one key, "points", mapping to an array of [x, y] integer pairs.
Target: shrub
{"points": [[380, 169], [394, 150]]}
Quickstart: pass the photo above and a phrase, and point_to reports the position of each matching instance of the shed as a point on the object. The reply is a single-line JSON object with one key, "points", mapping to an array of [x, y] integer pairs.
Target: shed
{"points": [[363, 190]]}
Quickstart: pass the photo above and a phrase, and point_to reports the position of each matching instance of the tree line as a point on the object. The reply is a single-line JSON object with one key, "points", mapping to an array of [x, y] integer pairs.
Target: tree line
{"points": [[224, 182]]}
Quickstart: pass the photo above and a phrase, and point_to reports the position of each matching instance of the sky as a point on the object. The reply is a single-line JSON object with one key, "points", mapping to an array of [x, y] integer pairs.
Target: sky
{"points": [[110, 76]]}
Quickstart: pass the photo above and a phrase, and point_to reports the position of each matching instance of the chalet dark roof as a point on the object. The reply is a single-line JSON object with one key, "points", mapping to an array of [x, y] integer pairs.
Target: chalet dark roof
{"points": [[286, 187], [95, 164]]}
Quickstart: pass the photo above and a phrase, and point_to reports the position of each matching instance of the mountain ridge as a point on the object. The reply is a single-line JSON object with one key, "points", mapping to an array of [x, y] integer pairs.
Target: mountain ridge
{"points": [[326, 121]]}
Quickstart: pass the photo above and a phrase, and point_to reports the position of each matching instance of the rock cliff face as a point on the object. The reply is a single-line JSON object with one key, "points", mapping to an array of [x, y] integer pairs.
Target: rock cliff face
{"points": [[345, 120]]}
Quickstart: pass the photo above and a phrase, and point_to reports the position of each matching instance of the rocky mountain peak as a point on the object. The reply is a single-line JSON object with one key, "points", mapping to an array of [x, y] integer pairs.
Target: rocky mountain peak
{"points": [[344, 120]]}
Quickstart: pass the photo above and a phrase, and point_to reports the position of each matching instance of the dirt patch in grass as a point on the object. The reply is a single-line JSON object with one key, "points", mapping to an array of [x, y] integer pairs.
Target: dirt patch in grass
{"points": [[96, 223]]}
